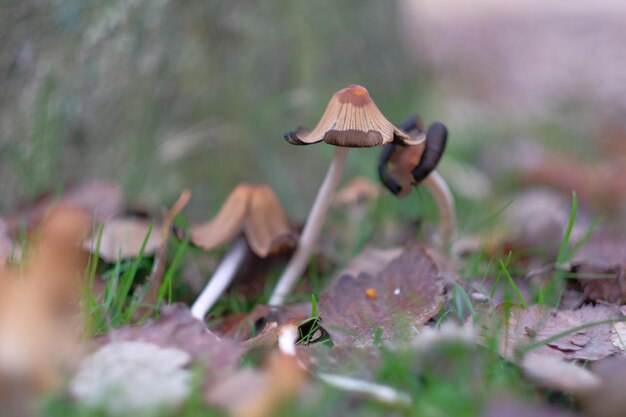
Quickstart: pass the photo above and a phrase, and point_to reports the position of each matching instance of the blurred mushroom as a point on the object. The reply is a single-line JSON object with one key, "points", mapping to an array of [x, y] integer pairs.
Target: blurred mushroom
{"points": [[253, 211], [351, 120], [412, 165]]}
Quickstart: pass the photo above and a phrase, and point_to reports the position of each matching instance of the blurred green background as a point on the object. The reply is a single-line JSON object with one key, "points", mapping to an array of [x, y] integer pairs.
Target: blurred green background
{"points": [[159, 95]]}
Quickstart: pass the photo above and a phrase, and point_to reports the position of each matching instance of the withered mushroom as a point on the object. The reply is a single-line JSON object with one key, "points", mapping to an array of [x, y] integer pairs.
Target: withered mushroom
{"points": [[253, 211], [415, 164], [351, 120]]}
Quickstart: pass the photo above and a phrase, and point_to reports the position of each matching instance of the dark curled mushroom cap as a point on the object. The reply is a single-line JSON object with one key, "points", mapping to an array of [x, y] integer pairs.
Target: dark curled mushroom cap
{"points": [[352, 119], [401, 167]]}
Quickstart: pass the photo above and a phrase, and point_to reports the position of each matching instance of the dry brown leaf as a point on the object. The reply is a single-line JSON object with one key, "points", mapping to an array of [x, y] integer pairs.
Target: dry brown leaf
{"points": [[537, 323], [100, 199], [356, 191], [242, 327], [608, 400], [505, 407], [410, 292], [601, 256], [122, 239], [176, 328], [554, 373], [596, 187], [39, 302], [254, 210], [252, 393]]}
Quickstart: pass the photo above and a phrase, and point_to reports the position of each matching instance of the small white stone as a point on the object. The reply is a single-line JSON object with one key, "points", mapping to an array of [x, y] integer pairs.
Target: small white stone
{"points": [[129, 377], [396, 291]]}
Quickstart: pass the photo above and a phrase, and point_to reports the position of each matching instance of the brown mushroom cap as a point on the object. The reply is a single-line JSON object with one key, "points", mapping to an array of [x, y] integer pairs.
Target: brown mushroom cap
{"points": [[352, 119], [254, 210]]}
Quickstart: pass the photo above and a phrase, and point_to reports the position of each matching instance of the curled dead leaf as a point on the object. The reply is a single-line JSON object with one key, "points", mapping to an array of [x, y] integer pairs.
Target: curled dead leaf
{"points": [[410, 292]]}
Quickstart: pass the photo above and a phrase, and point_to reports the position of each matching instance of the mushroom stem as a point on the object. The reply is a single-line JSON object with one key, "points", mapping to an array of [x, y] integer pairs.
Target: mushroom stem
{"points": [[445, 202], [311, 230], [221, 279]]}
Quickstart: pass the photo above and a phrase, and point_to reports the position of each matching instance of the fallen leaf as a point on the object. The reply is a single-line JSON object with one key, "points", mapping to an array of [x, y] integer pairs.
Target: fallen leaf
{"points": [[371, 260], [602, 256], [596, 187], [536, 323], [132, 377], [100, 199], [39, 302], [253, 210], [176, 328], [410, 292], [122, 239], [259, 393], [358, 190], [243, 326], [554, 373], [608, 400], [506, 407]]}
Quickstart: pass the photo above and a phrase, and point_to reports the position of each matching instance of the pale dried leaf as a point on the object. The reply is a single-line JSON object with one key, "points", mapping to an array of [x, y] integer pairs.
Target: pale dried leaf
{"points": [[176, 328], [122, 239], [537, 323], [554, 373], [132, 377]]}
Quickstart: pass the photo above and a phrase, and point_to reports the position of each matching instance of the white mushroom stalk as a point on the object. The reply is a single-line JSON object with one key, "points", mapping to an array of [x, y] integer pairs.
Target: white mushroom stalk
{"points": [[311, 232], [221, 279], [440, 191]]}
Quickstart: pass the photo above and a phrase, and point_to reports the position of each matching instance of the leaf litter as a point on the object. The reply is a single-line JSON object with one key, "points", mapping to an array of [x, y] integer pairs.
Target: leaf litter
{"points": [[384, 298], [410, 292]]}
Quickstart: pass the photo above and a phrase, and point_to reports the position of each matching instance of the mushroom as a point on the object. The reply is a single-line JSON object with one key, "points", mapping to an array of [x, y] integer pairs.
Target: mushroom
{"points": [[412, 165], [253, 211], [351, 120]]}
